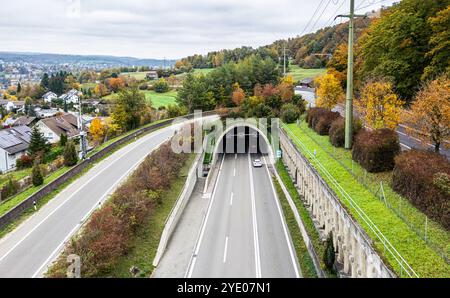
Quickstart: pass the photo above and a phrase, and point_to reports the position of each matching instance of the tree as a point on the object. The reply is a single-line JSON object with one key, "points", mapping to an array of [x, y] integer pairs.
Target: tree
{"points": [[194, 93], [45, 81], [97, 130], [238, 95], [430, 113], [100, 90], [380, 105], [19, 87], [289, 113], [36, 175], [70, 154], [63, 140], [440, 45], [115, 84], [38, 143], [28, 108], [329, 91], [286, 88], [329, 255], [161, 86], [129, 108]]}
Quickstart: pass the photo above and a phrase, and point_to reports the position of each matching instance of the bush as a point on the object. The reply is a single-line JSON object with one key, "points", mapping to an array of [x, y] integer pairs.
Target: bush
{"points": [[70, 154], [161, 86], [25, 161], [9, 189], [337, 131], [375, 150], [36, 175], [329, 255], [424, 179], [63, 140], [300, 103], [143, 86], [289, 113], [324, 122]]}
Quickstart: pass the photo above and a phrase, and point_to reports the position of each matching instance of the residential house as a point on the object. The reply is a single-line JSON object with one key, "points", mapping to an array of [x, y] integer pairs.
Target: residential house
{"points": [[71, 96], [45, 113], [49, 96], [14, 143], [307, 83], [54, 127], [12, 105], [24, 120], [152, 75]]}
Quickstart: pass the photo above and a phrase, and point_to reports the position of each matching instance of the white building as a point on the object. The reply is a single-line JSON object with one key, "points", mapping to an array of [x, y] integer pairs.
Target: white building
{"points": [[54, 127], [72, 96], [49, 96], [14, 143]]}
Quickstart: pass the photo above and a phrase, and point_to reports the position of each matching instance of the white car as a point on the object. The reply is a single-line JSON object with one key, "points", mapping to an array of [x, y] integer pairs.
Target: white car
{"points": [[257, 163]]}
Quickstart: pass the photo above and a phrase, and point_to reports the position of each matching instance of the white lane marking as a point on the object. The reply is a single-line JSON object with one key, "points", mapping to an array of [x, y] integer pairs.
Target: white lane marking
{"points": [[231, 199], [234, 172], [96, 205], [283, 223], [68, 199], [225, 250], [254, 221], [202, 231], [406, 146]]}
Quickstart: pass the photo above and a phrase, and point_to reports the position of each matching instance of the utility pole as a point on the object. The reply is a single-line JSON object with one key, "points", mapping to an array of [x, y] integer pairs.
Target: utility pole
{"points": [[284, 59], [82, 132], [349, 95]]}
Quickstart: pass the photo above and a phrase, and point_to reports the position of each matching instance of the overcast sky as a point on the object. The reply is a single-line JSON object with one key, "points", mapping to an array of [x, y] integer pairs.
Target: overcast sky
{"points": [[160, 28]]}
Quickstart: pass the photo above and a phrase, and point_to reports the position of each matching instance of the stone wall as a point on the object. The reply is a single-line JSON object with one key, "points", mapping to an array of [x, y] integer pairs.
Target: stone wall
{"points": [[354, 248]]}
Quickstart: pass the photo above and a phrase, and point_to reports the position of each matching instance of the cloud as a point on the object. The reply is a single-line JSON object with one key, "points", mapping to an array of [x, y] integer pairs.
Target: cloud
{"points": [[154, 28]]}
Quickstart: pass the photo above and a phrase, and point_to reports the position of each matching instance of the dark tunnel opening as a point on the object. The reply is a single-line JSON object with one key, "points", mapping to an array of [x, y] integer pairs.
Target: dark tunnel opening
{"points": [[243, 140]]}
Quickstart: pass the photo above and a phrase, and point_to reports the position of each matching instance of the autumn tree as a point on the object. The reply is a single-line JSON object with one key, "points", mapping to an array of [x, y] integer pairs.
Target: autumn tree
{"points": [[286, 88], [329, 91], [115, 84], [238, 95], [429, 118], [100, 90], [97, 130], [380, 105], [129, 108]]}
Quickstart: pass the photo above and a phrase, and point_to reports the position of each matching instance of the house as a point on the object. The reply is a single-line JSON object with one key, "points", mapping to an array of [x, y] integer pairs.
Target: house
{"points": [[307, 83], [45, 113], [49, 96], [14, 143], [71, 96], [24, 120], [152, 75], [54, 127], [12, 105]]}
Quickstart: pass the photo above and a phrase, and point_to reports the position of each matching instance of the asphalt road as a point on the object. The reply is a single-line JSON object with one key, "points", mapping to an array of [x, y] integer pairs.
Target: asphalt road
{"points": [[244, 233], [28, 250]]}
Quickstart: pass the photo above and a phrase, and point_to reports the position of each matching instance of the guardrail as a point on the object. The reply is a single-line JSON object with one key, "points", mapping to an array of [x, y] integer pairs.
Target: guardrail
{"points": [[404, 266], [17, 210]]}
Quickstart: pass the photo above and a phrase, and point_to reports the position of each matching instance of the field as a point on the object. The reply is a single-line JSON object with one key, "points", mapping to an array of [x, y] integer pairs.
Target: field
{"points": [[157, 99], [138, 75], [302, 73], [420, 256]]}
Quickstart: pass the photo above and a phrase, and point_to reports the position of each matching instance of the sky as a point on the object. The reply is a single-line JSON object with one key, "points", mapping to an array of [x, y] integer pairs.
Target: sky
{"points": [[161, 28]]}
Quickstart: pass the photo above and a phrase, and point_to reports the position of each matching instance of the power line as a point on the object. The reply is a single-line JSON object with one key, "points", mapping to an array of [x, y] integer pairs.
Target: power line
{"points": [[331, 20], [310, 20], [328, 3]]}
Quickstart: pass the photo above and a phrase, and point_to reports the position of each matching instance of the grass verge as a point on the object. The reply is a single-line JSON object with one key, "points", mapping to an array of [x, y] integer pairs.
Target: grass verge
{"points": [[424, 260]]}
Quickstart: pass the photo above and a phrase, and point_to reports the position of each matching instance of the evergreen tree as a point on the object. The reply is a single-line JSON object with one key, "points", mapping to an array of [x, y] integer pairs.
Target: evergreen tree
{"points": [[36, 175], [329, 254], [63, 140], [38, 143], [45, 81], [19, 88], [70, 154]]}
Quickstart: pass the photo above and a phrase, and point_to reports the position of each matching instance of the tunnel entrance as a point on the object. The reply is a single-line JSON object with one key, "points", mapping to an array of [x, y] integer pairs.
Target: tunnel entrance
{"points": [[243, 140]]}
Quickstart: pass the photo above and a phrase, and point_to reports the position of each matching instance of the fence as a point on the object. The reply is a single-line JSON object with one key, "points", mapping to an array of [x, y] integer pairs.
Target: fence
{"points": [[16, 211], [416, 221]]}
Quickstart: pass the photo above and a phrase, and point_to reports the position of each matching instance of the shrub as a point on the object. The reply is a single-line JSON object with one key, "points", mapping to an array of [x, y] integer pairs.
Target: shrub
{"points": [[337, 131], [36, 175], [70, 154], [300, 103], [62, 140], [161, 86], [25, 161], [143, 86], [324, 122], [375, 150], [289, 113], [9, 189], [313, 114], [329, 255], [424, 179]]}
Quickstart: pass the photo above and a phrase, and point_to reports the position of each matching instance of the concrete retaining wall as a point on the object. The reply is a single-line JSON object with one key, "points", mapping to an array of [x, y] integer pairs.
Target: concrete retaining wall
{"points": [[354, 247]]}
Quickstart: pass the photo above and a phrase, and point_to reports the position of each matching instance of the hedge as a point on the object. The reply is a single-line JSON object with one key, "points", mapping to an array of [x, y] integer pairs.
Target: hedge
{"points": [[320, 119], [375, 150], [424, 179], [337, 131]]}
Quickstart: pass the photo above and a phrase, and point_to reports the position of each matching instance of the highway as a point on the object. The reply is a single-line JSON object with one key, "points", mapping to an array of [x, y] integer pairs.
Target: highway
{"points": [[27, 251], [244, 233]]}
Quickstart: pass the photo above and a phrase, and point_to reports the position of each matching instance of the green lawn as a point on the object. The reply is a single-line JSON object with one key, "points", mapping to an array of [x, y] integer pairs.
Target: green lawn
{"points": [[157, 99], [161, 99], [88, 85], [146, 242], [420, 256], [138, 75], [302, 73]]}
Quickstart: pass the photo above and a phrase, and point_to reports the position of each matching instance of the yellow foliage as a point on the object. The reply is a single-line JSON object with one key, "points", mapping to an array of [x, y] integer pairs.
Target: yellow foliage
{"points": [[379, 104], [329, 91], [429, 119], [288, 80], [97, 130]]}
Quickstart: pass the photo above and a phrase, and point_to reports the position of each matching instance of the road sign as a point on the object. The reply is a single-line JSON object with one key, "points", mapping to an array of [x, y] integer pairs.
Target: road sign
{"points": [[278, 153]]}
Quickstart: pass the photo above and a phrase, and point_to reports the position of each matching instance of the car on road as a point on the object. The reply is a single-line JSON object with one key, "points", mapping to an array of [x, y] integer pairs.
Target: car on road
{"points": [[257, 163]]}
